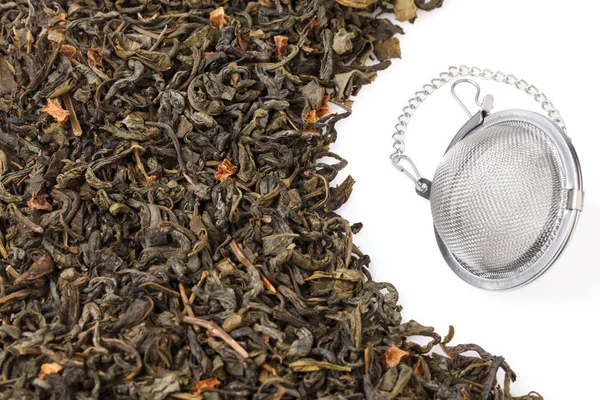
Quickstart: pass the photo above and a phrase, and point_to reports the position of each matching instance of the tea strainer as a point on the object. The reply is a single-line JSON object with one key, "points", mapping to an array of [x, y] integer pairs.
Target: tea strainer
{"points": [[507, 194]]}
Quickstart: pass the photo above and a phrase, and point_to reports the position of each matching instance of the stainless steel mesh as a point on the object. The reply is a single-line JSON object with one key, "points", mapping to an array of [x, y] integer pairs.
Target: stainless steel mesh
{"points": [[498, 198]]}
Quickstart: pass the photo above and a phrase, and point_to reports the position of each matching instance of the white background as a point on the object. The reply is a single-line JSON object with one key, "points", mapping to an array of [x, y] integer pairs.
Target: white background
{"points": [[547, 330]]}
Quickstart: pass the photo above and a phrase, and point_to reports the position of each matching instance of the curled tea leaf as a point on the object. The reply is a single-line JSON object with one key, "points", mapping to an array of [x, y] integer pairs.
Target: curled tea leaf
{"points": [[429, 5], [342, 41], [56, 35], [193, 249], [7, 79], [137, 312], [356, 3], [341, 274], [302, 346], [312, 366], [159, 388], [42, 266]]}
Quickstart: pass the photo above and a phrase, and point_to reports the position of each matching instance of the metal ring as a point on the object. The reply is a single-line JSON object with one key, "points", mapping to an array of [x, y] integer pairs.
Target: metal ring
{"points": [[574, 181]]}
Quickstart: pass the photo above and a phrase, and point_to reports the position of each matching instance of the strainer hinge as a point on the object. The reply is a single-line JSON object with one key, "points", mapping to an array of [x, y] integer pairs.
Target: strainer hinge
{"points": [[575, 199]]}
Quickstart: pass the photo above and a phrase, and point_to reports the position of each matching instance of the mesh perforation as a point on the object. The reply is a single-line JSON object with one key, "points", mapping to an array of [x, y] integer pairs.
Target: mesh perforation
{"points": [[498, 198]]}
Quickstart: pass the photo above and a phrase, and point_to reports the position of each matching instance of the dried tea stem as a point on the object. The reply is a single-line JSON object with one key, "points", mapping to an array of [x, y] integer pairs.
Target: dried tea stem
{"points": [[186, 304], [237, 251], [27, 222], [215, 330], [12, 272], [72, 115], [21, 294]]}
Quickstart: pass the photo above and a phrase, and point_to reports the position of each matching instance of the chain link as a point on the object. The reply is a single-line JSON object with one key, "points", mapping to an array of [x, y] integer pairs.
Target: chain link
{"points": [[399, 145]]}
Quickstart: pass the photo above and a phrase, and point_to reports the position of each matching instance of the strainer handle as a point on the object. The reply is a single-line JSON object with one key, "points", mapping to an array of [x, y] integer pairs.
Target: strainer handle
{"points": [[405, 164]]}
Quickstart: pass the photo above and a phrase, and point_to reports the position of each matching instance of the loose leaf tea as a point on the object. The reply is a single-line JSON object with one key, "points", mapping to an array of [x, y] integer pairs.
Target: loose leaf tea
{"points": [[167, 224]]}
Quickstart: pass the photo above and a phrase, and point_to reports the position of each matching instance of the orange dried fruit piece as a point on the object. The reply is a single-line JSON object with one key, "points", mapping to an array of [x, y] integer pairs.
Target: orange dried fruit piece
{"points": [[392, 357], [55, 110], [281, 43], [225, 170], [68, 50], [94, 58], [266, 3], [218, 17], [324, 109], [39, 203], [209, 383], [311, 116], [51, 368]]}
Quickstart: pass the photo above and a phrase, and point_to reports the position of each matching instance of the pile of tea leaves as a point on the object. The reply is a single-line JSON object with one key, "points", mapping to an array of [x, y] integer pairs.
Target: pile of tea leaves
{"points": [[167, 224]]}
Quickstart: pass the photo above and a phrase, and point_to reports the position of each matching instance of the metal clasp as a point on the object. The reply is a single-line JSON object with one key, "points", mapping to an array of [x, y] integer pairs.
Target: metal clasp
{"points": [[486, 104], [422, 186], [405, 164], [397, 162]]}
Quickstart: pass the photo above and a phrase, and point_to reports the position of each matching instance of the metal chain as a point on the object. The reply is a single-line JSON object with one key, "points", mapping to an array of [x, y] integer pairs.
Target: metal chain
{"points": [[398, 156]]}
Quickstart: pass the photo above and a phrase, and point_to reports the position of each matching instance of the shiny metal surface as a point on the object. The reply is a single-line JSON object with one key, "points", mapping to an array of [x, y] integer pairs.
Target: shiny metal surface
{"points": [[503, 198]]}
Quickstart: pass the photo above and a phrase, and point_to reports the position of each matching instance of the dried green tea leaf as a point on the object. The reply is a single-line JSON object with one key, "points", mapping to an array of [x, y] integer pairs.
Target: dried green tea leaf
{"points": [[429, 5], [312, 366], [158, 389], [342, 41], [356, 3], [345, 82], [275, 244], [405, 10], [340, 194], [388, 49], [42, 266], [302, 346], [7, 80], [179, 237], [342, 274]]}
